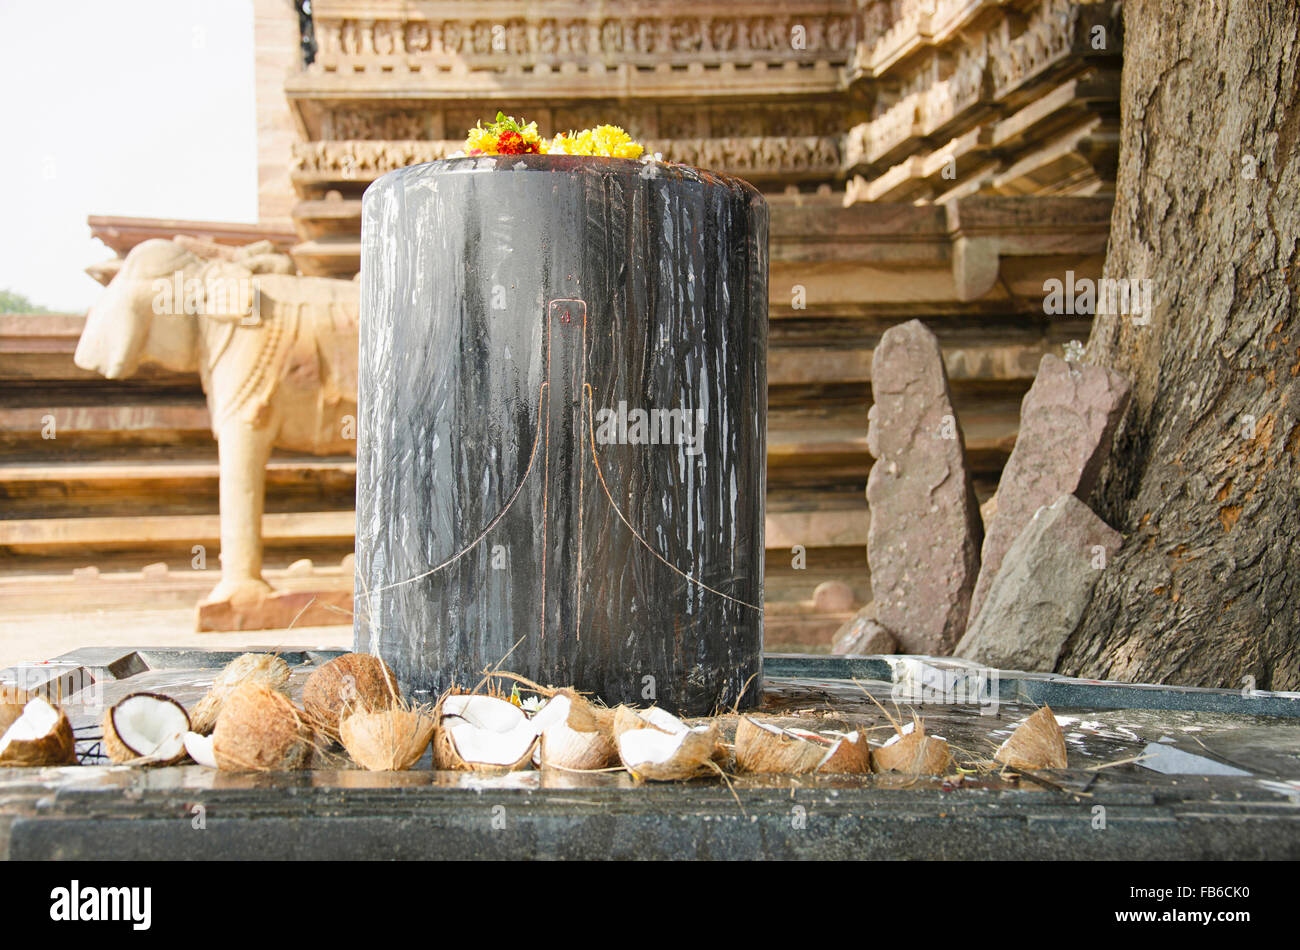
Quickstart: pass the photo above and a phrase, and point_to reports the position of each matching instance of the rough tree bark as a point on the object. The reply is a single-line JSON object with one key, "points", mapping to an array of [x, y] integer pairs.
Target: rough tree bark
{"points": [[1205, 479]]}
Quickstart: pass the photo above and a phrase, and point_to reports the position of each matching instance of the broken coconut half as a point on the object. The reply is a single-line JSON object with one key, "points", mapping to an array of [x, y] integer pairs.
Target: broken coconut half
{"points": [[574, 733], [387, 740], [12, 701], [477, 732], [40, 735], [146, 729], [1037, 743], [910, 751], [654, 744], [769, 748], [200, 749], [260, 729], [264, 669], [346, 684]]}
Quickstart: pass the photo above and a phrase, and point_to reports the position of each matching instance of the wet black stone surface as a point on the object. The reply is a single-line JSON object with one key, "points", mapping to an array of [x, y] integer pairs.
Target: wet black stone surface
{"points": [[518, 313]]}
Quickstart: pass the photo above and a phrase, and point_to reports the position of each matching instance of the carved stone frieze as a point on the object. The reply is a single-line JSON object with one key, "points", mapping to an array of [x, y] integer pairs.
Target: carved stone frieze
{"points": [[758, 156], [808, 32]]}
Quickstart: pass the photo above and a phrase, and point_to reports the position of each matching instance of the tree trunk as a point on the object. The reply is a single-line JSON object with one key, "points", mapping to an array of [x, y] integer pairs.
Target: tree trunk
{"points": [[1204, 481]]}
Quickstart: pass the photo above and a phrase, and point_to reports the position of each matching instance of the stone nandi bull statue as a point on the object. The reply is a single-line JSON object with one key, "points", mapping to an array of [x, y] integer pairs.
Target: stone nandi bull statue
{"points": [[276, 353]]}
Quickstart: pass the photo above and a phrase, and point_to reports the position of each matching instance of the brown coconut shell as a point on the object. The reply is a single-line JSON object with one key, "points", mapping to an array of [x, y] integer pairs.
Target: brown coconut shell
{"points": [[625, 718], [264, 669], [761, 750], [1037, 743], [56, 747], [852, 756], [446, 757], [121, 753], [259, 729], [915, 753], [583, 741], [690, 759], [353, 682], [386, 740], [12, 701]]}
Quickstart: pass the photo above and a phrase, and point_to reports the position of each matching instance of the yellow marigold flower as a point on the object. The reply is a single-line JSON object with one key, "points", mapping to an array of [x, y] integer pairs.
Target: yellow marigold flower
{"points": [[612, 141], [607, 141], [481, 139]]}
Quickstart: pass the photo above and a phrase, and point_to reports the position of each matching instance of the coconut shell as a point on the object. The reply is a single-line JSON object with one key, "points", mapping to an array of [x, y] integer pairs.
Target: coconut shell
{"points": [[852, 756], [387, 740], [353, 682], [690, 759], [264, 669], [56, 747], [914, 753], [259, 729], [625, 718], [1037, 743], [12, 701], [761, 750], [118, 751], [583, 741], [447, 758]]}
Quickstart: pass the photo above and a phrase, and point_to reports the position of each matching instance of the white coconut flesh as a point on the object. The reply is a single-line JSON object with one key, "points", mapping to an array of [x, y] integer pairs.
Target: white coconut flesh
{"points": [[487, 730], [37, 721], [906, 730], [652, 746], [555, 712], [663, 719], [152, 727], [200, 749]]}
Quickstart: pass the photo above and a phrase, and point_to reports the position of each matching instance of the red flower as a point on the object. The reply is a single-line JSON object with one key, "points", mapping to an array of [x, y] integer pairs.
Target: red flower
{"points": [[512, 143]]}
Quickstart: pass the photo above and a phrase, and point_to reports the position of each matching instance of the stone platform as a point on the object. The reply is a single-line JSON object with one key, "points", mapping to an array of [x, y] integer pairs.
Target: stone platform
{"points": [[1217, 778]]}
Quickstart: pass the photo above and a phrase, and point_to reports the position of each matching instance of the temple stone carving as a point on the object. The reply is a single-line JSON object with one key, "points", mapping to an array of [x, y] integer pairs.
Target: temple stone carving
{"points": [[277, 357]]}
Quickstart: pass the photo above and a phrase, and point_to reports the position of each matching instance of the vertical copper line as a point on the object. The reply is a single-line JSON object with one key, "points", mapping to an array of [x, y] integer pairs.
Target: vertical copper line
{"points": [[546, 469], [582, 441]]}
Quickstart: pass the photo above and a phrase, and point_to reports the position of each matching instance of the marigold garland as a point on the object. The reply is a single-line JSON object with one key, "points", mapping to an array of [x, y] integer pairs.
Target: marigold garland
{"points": [[509, 136], [505, 136]]}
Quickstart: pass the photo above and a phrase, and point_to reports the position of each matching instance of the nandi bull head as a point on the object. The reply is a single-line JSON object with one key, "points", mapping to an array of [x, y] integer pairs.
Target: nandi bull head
{"points": [[147, 313]]}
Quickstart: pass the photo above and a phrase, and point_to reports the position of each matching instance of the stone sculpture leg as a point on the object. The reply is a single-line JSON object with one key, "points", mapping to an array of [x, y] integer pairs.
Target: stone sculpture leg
{"points": [[244, 451]]}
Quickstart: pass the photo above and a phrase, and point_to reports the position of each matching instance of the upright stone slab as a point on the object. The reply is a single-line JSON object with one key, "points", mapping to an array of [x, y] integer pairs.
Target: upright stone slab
{"points": [[560, 458], [862, 634], [1067, 421], [1044, 586], [923, 543]]}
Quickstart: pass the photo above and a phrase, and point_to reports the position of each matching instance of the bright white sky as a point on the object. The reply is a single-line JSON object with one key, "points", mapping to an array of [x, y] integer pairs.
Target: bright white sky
{"points": [[130, 107]]}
